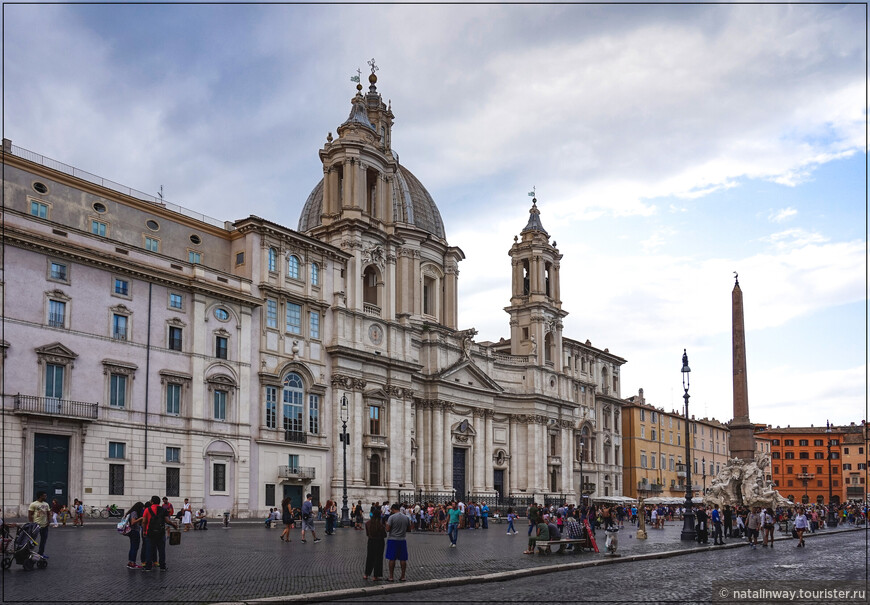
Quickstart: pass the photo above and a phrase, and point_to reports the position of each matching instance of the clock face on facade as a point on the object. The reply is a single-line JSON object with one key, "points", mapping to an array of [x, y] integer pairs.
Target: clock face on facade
{"points": [[376, 334]]}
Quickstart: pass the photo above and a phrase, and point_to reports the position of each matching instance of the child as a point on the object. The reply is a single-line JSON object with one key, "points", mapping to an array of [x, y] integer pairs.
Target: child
{"points": [[510, 517]]}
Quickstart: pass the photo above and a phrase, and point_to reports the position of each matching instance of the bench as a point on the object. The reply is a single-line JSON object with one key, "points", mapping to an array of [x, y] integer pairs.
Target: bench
{"points": [[543, 547]]}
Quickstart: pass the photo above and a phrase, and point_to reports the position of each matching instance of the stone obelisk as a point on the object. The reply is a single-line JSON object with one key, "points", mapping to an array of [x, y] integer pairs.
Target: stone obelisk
{"points": [[742, 431]]}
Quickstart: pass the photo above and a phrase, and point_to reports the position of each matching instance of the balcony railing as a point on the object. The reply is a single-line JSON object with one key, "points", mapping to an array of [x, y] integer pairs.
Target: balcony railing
{"points": [[379, 441], [296, 472], [295, 437], [554, 460], [50, 406], [55, 320], [650, 487], [588, 488], [370, 309]]}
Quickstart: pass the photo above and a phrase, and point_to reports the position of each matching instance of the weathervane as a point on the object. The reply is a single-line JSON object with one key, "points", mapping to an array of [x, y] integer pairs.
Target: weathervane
{"points": [[372, 65], [532, 195], [735, 279], [356, 79]]}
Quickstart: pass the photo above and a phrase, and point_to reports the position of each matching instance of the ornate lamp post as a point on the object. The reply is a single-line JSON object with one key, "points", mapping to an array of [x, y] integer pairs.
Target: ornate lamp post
{"points": [[704, 475], [345, 438], [832, 516], [688, 533]]}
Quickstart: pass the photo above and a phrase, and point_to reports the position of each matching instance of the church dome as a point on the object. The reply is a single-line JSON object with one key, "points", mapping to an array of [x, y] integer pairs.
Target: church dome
{"points": [[412, 205]]}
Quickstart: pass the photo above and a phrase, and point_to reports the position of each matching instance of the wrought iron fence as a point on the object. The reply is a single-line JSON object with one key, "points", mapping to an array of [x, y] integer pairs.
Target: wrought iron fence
{"points": [[434, 497], [558, 499], [295, 437], [55, 407]]}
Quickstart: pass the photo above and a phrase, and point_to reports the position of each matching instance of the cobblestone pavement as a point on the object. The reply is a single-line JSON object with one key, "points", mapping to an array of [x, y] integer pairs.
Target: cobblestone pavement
{"points": [[681, 579], [247, 562]]}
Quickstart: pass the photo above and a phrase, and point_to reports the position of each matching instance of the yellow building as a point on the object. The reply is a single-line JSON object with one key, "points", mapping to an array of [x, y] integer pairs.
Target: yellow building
{"points": [[654, 444]]}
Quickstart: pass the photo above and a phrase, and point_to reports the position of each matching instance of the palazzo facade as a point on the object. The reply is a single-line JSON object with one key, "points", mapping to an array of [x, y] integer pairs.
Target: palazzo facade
{"points": [[148, 349]]}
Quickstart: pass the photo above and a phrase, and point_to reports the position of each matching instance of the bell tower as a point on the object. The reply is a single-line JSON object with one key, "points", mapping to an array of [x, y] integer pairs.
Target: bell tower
{"points": [[536, 306]]}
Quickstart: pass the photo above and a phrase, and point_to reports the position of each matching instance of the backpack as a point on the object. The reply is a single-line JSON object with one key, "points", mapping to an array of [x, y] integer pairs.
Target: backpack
{"points": [[155, 520], [124, 526]]}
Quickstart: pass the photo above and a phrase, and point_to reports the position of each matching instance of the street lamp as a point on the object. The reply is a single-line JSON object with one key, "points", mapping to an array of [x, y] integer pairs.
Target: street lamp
{"points": [[688, 533], [832, 516], [345, 517], [704, 474]]}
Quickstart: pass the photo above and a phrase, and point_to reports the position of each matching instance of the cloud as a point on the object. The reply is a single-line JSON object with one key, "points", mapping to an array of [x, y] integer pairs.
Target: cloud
{"points": [[778, 216], [792, 238]]}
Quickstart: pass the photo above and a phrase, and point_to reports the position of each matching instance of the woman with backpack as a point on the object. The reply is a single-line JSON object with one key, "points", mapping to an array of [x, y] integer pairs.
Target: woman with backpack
{"points": [[134, 519]]}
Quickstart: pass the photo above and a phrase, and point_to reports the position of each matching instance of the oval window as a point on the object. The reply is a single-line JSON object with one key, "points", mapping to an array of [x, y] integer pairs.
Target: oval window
{"points": [[152, 224], [40, 187], [99, 207], [221, 314], [195, 239]]}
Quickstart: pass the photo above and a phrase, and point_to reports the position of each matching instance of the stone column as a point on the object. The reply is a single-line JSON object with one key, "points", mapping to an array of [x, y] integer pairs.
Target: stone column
{"points": [[487, 454], [742, 431], [435, 460], [533, 460], [513, 481], [555, 283], [447, 461], [356, 465], [479, 451]]}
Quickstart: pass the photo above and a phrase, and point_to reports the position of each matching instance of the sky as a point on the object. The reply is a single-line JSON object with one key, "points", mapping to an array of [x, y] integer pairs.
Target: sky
{"points": [[669, 146]]}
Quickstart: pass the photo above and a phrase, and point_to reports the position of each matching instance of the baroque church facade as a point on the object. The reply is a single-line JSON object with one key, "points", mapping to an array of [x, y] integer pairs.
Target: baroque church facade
{"points": [[148, 349]]}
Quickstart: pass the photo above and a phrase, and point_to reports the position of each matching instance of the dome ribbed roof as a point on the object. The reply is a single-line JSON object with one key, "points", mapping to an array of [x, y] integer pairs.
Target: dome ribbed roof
{"points": [[412, 204]]}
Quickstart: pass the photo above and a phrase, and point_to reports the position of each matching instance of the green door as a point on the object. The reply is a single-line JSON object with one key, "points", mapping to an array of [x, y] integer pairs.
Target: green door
{"points": [[294, 492], [51, 467]]}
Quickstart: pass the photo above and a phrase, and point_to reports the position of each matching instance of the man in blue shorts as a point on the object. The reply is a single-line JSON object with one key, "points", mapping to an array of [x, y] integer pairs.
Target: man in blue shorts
{"points": [[397, 546]]}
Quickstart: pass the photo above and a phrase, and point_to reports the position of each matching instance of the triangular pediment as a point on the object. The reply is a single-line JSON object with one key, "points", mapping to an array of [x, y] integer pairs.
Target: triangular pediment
{"points": [[56, 349], [468, 374], [378, 393]]}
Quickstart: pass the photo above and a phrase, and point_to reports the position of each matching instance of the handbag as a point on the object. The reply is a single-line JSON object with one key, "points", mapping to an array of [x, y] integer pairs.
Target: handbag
{"points": [[124, 526], [174, 537], [794, 533]]}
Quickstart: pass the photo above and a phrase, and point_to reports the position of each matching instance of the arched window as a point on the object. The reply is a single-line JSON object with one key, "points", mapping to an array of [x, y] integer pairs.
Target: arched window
{"points": [[548, 347], [375, 470], [525, 277], [294, 398], [547, 269], [315, 274], [370, 286], [293, 267], [273, 259]]}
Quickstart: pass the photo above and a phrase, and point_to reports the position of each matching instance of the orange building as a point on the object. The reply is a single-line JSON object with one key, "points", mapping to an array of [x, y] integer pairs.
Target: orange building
{"points": [[801, 467], [855, 453]]}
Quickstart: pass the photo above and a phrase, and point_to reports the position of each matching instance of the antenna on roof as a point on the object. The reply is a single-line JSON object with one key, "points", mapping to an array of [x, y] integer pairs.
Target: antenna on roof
{"points": [[160, 194]]}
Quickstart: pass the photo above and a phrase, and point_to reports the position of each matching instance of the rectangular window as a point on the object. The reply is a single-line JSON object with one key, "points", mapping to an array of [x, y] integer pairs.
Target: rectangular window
{"points": [[293, 461], [271, 313], [175, 338], [219, 480], [642, 460], [789, 442], [173, 399], [54, 381], [293, 411], [663, 462], [176, 301], [271, 407], [643, 432], [653, 435], [117, 450], [804, 455], [56, 313], [117, 390], [374, 420], [862, 466], [294, 318], [173, 454], [240, 258], [789, 470], [803, 442], [642, 415], [315, 274], [58, 271], [315, 325], [122, 287], [38, 209], [790, 483], [652, 460], [220, 347], [847, 466], [152, 244], [194, 257], [220, 405], [98, 228], [119, 327], [789, 455], [173, 482], [270, 495], [819, 455], [116, 479], [817, 442], [314, 414]]}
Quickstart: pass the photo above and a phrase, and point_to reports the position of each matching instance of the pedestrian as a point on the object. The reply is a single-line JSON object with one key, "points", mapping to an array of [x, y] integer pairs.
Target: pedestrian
{"points": [[717, 526], [134, 519], [727, 516], [753, 524], [79, 513], [64, 513], [542, 534], [167, 506], [202, 522], [39, 512], [287, 518], [741, 525], [376, 533], [187, 516], [767, 526], [397, 547], [484, 516], [308, 518], [533, 517], [510, 519], [800, 526], [55, 512], [358, 515], [453, 518], [156, 518]]}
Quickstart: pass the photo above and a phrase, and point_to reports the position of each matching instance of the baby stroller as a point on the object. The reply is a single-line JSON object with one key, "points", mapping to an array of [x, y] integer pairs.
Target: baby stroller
{"points": [[8, 545], [25, 548]]}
